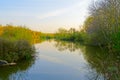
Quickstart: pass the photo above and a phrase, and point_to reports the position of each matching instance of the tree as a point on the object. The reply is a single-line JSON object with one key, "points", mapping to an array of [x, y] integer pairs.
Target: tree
{"points": [[104, 21]]}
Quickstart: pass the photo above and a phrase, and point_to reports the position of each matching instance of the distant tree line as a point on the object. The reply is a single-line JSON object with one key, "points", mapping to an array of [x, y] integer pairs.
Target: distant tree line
{"points": [[70, 35]]}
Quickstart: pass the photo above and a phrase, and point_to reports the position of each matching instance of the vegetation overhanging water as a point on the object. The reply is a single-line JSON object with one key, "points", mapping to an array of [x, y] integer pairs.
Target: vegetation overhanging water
{"points": [[100, 29]]}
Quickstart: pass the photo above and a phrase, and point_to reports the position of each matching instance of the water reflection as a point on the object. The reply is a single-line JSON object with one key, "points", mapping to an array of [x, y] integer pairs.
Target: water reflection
{"points": [[77, 62], [63, 45], [35, 41], [106, 65], [15, 72]]}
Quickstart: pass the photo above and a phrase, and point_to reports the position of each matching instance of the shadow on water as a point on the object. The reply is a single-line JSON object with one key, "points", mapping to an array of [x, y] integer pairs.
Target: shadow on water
{"points": [[106, 65], [15, 72]]}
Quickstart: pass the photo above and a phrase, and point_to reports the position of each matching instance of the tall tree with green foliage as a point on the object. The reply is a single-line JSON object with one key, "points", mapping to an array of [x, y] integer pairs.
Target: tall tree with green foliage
{"points": [[104, 22]]}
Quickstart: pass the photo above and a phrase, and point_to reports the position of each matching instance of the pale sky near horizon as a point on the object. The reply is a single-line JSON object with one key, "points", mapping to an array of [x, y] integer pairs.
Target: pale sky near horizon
{"points": [[44, 15]]}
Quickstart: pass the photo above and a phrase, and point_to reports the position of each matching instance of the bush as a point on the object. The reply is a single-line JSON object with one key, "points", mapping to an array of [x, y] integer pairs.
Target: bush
{"points": [[14, 51], [24, 49], [115, 42]]}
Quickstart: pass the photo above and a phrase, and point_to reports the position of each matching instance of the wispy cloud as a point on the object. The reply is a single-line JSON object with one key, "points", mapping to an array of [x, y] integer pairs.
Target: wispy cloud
{"points": [[52, 14], [51, 59], [58, 60], [62, 11]]}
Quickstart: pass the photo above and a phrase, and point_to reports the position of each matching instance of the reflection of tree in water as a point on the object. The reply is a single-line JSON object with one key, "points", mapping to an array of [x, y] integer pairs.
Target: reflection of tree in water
{"points": [[106, 64], [63, 45], [35, 41], [15, 72]]}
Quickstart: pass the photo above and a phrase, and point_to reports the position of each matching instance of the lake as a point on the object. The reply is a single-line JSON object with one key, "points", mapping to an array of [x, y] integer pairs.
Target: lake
{"points": [[58, 60]]}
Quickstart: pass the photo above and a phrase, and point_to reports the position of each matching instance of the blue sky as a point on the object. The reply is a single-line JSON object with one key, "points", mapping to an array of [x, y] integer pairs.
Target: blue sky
{"points": [[44, 15]]}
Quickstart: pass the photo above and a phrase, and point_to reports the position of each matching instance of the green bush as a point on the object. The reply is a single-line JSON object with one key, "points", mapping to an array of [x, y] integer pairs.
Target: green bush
{"points": [[115, 42], [14, 51], [24, 49]]}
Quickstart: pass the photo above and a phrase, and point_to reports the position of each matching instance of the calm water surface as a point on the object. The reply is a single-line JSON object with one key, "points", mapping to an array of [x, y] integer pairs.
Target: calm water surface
{"points": [[55, 61]]}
